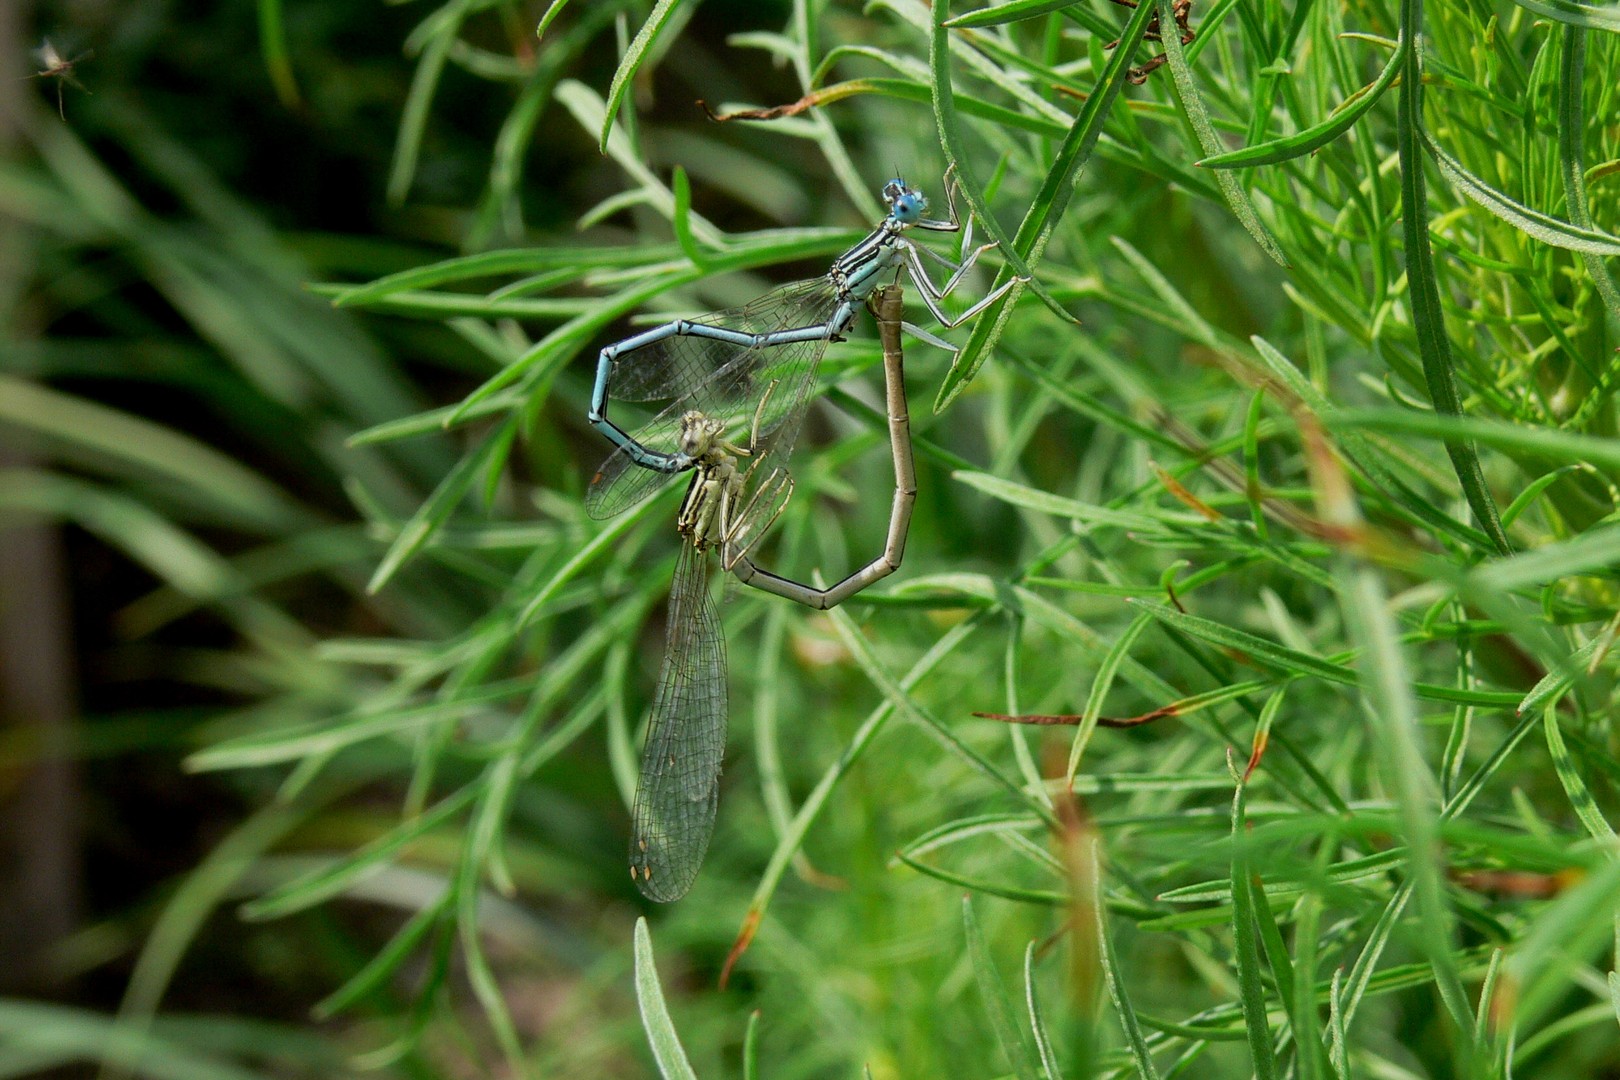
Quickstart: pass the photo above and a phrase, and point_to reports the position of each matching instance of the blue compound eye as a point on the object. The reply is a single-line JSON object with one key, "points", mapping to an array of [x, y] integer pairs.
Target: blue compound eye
{"points": [[909, 207]]}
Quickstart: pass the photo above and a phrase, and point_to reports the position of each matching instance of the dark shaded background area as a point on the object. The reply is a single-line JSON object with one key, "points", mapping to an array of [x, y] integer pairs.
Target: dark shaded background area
{"points": [[98, 822]]}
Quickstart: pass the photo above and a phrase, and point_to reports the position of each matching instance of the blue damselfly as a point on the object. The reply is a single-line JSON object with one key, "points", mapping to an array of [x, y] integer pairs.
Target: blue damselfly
{"points": [[751, 369]]}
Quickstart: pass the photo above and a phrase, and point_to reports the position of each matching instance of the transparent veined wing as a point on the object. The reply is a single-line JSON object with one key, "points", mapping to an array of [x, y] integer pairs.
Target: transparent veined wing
{"points": [[673, 368], [764, 389], [686, 741]]}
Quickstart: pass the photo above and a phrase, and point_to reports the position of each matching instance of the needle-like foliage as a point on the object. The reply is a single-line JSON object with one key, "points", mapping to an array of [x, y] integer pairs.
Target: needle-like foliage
{"points": [[1271, 524]]}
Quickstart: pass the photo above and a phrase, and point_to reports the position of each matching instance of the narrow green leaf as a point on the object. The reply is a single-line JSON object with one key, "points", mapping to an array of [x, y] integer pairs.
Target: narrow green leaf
{"points": [[329, 737], [793, 837], [413, 118], [986, 886], [273, 46], [945, 100], [1531, 492], [1192, 107], [1050, 202], [1252, 645], [382, 966], [1037, 1023], [750, 1053], [1596, 552], [1572, 153], [634, 56], [574, 262], [1553, 685], [581, 558], [1533, 223], [1015, 494], [1388, 693], [1554, 955], [655, 1021], [894, 690], [555, 9], [1428, 319], [132, 445], [1281, 886], [591, 112], [1276, 950], [1580, 796], [1246, 950], [997, 1003], [1561, 447], [1365, 457], [437, 508], [1317, 135], [1101, 683], [1113, 978], [1013, 11], [479, 973], [1573, 13], [327, 881], [683, 219], [1311, 1056]]}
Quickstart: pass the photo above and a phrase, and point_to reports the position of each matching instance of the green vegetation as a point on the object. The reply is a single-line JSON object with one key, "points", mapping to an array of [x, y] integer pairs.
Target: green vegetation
{"points": [[1298, 545]]}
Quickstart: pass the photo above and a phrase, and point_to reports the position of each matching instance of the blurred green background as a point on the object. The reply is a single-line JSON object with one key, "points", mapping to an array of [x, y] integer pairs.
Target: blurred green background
{"points": [[321, 693]]}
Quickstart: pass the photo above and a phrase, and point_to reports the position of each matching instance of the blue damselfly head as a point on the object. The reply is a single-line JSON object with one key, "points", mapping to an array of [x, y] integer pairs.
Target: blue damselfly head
{"points": [[906, 204]]}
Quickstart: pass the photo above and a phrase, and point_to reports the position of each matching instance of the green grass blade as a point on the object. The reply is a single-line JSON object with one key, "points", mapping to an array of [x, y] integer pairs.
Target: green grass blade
{"points": [[554, 9], [273, 47], [894, 690], [655, 1021], [793, 837], [325, 882], [986, 886], [1013, 11], [1561, 447], [126, 444], [1116, 982], [1557, 681], [1428, 319], [683, 219], [1573, 13], [1246, 948], [413, 118], [945, 100], [1050, 202], [1037, 1023], [634, 57], [436, 509], [1580, 796], [1596, 553], [1388, 693], [1571, 156], [997, 1002], [1560, 944], [1192, 107], [1101, 683], [1313, 138], [383, 965], [1533, 223]]}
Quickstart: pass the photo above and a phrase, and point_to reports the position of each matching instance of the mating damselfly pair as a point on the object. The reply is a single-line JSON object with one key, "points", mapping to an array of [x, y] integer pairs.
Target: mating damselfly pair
{"points": [[738, 383]]}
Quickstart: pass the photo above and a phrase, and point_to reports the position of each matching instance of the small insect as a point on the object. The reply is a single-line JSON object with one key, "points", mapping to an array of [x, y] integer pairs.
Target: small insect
{"points": [[56, 66]]}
